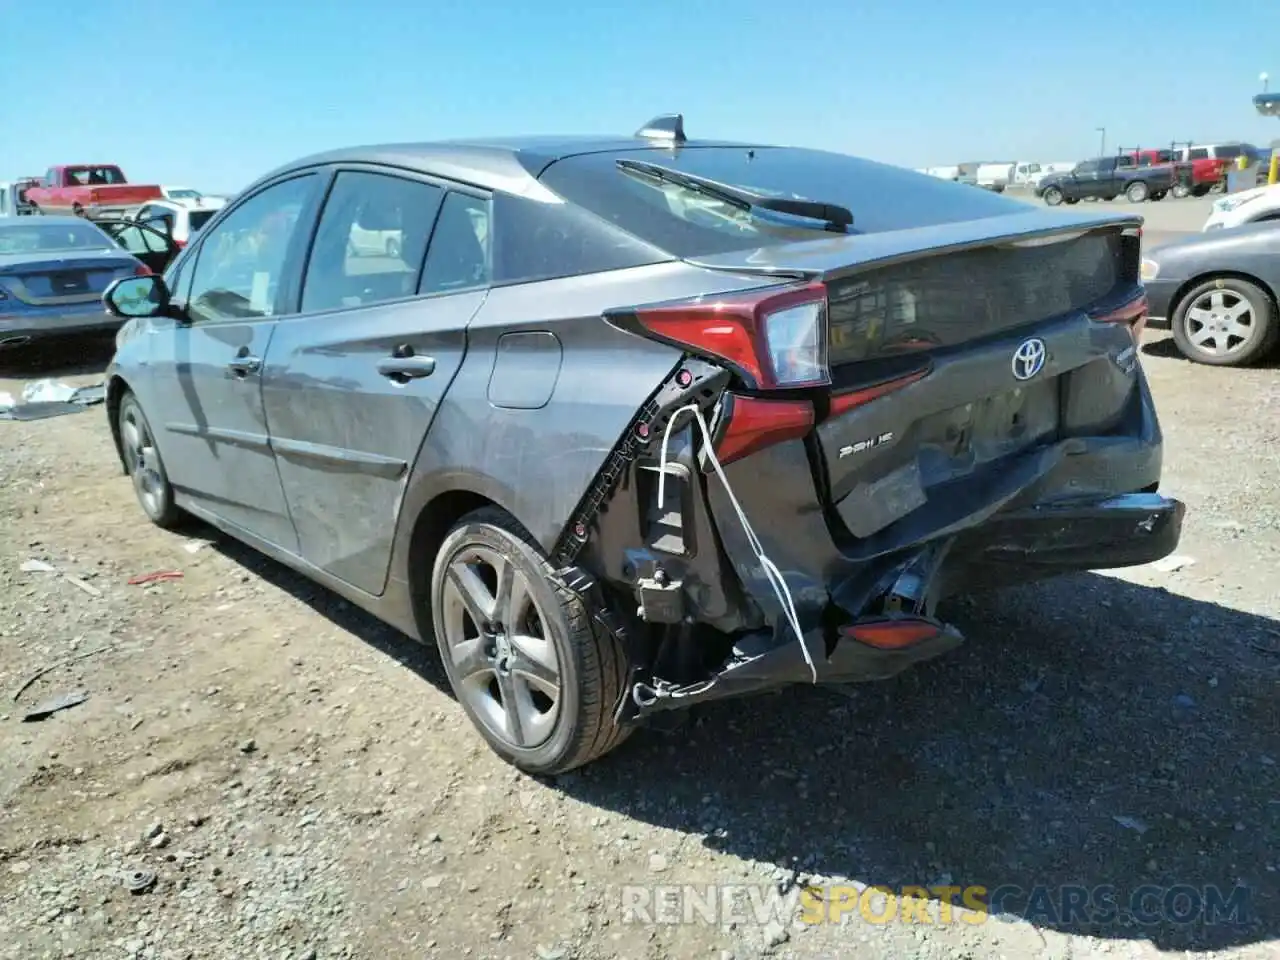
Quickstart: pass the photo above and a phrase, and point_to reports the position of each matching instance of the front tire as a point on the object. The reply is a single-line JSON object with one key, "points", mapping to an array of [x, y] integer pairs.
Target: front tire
{"points": [[1053, 196], [146, 469], [1226, 322], [535, 674]]}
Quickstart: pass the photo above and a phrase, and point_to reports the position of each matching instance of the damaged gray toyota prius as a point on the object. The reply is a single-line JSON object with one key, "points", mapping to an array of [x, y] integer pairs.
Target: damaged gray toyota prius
{"points": [[634, 424]]}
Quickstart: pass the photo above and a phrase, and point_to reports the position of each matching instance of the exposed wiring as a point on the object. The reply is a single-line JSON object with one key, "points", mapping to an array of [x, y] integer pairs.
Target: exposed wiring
{"points": [[774, 575]]}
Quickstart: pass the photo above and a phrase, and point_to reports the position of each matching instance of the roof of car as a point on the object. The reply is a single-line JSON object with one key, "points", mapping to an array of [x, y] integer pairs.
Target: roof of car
{"points": [[511, 164]]}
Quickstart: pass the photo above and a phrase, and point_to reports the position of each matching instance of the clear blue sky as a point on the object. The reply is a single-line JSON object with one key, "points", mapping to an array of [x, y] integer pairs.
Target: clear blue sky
{"points": [[212, 93]]}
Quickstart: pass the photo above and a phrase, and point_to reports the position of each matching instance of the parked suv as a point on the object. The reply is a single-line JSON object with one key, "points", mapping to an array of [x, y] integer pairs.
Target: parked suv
{"points": [[632, 424]]}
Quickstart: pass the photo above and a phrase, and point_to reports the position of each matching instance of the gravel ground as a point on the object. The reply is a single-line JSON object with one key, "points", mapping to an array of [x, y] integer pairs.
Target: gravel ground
{"points": [[281, 776]]}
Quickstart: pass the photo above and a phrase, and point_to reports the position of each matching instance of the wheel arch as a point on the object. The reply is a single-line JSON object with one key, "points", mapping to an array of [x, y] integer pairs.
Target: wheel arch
{"points": [[432, 513], [117, 387]]}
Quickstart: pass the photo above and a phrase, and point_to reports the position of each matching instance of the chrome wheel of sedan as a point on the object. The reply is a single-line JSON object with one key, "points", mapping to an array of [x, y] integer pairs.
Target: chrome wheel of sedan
{"points": [[529, 662], [1225, 322], [504, 664]]}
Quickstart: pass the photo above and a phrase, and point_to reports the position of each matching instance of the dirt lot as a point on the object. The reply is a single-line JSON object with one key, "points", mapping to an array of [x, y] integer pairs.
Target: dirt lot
{"points": [[301, 784]]}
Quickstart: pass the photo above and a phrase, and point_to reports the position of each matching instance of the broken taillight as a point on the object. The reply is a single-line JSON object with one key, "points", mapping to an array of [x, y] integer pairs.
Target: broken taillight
{"points": [[773, 339], [1133, 313]]}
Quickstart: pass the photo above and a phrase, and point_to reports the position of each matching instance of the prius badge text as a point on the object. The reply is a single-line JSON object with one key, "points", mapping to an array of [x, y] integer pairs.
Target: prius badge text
{"points": [[1028, 359], [864, 445]]}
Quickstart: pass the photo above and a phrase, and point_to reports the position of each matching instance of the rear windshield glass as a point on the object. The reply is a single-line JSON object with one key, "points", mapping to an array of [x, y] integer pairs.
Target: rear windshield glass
{"points": [[689, 224], [199, 218], [47, 237]]}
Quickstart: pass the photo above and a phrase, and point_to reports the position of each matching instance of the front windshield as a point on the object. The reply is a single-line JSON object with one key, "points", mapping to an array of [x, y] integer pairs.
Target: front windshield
{"points": [[51, 238]]}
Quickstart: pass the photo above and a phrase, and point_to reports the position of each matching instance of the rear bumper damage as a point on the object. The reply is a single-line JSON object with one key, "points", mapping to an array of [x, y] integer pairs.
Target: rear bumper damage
{"points": [[701, 621], [1028, 544]]}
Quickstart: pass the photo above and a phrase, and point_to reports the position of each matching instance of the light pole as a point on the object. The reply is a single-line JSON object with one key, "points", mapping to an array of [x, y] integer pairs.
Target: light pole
{"points": [[1264, 78], [1102, 145]]}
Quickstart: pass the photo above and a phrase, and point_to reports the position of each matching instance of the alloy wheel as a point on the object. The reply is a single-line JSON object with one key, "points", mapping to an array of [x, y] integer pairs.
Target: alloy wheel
{"points": [[1220, 322], [143, 461], [503, 660]]}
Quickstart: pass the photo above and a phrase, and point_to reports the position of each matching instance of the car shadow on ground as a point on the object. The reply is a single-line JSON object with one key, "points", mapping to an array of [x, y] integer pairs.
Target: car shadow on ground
{"points": [[1167, 348], [71, 357], [1095, 742]]}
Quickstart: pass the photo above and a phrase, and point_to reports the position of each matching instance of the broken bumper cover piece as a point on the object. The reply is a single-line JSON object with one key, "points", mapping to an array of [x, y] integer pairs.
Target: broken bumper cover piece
{"points": [[1122, 531], [873, 648], [1119, 531]]}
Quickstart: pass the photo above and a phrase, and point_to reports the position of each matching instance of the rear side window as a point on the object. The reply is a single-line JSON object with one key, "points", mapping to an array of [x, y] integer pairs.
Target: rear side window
{"points": [[538, 240], [371, 241], [688, 224], [1199, 153], [459, 255]]}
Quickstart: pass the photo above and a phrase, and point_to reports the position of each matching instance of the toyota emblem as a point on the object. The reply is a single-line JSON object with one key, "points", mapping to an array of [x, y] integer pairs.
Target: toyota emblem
{"points": [[1028, 359]]}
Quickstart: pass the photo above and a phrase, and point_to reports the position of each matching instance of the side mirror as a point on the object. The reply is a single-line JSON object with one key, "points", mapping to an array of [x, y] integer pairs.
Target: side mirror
{"points": [[131, 297]]}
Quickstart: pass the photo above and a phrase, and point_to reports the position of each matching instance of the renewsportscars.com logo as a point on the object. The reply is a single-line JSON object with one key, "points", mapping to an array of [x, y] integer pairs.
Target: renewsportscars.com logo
{"points": [[761, 904]]}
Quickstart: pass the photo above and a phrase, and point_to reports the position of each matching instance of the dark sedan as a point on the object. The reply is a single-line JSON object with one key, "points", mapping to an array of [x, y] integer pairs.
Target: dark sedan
{"points": [[53, 271], [1217, 291]]}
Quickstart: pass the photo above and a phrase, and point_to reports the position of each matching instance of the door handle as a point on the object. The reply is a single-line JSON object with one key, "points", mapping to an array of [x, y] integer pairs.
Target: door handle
{"points": [[407, 368], [243, 366]]}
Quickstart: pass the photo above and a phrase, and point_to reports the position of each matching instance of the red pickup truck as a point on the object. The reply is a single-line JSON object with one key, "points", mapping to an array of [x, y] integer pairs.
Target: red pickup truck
{"points": [[90, 190]]}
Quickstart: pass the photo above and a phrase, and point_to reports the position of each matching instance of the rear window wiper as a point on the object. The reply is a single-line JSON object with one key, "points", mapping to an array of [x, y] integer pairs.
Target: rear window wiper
{"points": [[832, 217]]}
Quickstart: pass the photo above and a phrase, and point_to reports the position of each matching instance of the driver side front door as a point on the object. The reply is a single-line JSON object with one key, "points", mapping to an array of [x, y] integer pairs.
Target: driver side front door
{"points": [[207, 376]]}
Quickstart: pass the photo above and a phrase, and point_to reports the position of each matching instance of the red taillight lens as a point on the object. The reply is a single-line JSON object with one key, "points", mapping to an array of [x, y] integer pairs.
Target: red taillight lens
{"points": [[142, 270], [755, 423], [844, 402], [772, 338], [1134, 313]]}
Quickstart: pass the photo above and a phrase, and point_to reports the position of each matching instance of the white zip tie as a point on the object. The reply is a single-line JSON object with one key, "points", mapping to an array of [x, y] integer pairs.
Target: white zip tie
{"points": [[774, 575]]}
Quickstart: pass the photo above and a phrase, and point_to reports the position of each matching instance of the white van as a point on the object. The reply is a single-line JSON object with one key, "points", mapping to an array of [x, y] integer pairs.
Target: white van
{"points": [[942, 173], [995, 176], [1029, 173]]}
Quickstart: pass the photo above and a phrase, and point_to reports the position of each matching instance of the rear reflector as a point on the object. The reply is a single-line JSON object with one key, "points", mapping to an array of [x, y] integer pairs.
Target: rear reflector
{"points": [[755, 423], [773, 338], [844, 402], [893, 633]]}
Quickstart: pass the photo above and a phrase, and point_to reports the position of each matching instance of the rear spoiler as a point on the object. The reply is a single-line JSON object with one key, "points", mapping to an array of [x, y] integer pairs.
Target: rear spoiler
{"points": [[832, 257]]}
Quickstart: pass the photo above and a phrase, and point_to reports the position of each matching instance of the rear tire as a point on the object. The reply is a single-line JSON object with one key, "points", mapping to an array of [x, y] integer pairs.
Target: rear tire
{"points": [[534, 672], [1136, 192], [1181, 191], [1245, 304], [145, 467]]}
